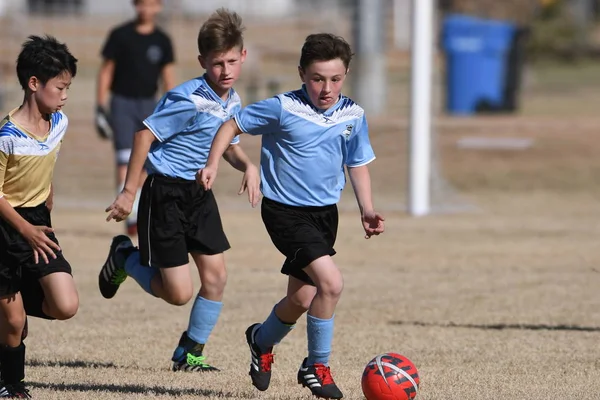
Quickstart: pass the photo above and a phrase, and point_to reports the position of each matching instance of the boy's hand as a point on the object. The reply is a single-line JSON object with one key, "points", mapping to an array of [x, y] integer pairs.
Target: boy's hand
{"points": [[372, 223], [206, 177], [39, 241], [121, 208], [251, 182]]}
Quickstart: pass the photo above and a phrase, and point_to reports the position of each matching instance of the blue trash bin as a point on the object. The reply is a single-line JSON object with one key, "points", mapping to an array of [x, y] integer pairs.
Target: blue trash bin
{"points": [[476, 63]]}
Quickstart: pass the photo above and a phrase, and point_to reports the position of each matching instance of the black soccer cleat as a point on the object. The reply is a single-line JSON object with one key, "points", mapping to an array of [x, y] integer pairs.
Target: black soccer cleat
{"points": [[319, 380], [14, 391], [260, 366], [188, 356], [113, 272]]}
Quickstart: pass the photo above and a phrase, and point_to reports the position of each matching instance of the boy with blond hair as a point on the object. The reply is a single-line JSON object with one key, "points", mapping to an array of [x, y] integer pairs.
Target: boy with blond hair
{"points": [[177, 216]]}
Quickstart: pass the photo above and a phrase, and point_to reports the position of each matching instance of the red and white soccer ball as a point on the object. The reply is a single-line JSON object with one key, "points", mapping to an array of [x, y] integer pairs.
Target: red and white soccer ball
{"points": [[390, 376]]}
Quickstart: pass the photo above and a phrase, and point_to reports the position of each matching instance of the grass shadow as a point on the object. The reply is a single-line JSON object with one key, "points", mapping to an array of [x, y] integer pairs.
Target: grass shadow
{"points": [[70, 364], [135, 389]]}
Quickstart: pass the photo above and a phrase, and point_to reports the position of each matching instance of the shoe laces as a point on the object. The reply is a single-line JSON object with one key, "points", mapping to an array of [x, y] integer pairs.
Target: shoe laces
{"points": [[196, 361], [324, 374], [265, 361], [119, 277]]}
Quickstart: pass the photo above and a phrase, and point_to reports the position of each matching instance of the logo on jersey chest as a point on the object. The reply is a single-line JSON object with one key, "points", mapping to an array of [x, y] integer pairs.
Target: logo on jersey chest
{"points": [[154, 54], [348, 131]]}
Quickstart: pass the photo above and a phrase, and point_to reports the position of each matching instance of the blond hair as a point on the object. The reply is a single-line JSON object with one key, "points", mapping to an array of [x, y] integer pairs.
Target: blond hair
{"points": [[222, 32]]}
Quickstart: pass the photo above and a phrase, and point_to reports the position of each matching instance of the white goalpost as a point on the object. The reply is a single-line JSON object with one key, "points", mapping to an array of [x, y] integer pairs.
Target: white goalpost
{"points": [[427, 191], [422, 42]]}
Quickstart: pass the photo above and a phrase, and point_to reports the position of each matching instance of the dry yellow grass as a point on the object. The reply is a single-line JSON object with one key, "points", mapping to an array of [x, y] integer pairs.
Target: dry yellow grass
{"points": [[501, 303], [436, 289]]}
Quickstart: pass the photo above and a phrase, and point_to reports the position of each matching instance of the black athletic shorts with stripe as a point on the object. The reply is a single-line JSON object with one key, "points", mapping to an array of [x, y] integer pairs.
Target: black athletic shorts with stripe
{"points": [[177, 217], [301, 234]]}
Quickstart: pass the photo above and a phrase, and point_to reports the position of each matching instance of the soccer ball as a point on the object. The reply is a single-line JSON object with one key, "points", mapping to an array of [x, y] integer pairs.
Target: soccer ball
{"points": [[390, 376]]}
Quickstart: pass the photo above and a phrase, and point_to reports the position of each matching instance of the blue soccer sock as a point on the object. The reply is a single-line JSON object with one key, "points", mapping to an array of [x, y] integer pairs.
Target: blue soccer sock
{"points": [[140, 273], [272, 331], [320, 336], [203, 318]]}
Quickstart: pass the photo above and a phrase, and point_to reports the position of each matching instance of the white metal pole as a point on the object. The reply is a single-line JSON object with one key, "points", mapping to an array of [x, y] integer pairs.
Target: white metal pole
{"points": [[420, 112]]}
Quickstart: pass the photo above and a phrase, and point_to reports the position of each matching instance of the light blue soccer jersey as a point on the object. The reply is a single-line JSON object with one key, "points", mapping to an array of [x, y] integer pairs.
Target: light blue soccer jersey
{"points": [[304, 150], [185, 122]]}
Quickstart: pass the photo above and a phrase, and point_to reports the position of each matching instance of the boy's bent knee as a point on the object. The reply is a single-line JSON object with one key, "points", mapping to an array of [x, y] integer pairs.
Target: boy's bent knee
{"points": [[178, 298], [65, 310], [332, 289], [175, 286], [16, 321]]}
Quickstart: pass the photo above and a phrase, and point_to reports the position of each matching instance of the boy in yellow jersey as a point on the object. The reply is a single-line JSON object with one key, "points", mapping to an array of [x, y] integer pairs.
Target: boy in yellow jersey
{"points": [[35, 278]]}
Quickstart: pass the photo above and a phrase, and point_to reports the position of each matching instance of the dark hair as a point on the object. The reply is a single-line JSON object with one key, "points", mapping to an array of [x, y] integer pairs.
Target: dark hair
{"points": [[221, 32], [325, 47], [45, 58]]}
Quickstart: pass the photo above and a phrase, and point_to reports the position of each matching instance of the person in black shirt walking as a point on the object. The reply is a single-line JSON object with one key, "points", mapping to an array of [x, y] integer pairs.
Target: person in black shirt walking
{"points": [[136, 56]]}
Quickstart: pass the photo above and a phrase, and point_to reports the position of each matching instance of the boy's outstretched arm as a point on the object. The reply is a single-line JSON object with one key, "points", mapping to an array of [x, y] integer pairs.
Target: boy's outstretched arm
{"points": [[223, 138], [373, 223], [121, 207], [239, 160]]}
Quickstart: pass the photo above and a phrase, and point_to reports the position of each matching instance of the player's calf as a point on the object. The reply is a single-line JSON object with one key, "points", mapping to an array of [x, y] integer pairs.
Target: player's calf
{"points": [[25, 331]]}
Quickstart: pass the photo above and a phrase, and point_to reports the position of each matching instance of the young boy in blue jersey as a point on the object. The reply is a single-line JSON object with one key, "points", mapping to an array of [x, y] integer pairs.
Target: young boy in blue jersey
{"points": [[35, 277], [308, 137], [177, 216]]}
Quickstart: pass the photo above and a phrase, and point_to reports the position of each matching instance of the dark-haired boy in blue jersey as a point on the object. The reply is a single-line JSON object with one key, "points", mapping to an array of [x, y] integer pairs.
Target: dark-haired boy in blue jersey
{"points": [[308, 137]]}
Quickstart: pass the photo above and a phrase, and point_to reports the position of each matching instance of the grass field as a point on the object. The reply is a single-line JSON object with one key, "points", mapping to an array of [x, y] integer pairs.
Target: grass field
{"points": [[497, 303]]}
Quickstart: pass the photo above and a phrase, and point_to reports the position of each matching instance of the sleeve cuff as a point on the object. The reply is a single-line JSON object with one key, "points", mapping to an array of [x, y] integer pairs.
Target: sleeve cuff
{"points": [[153, 131], [360, 164], [239, 125]]}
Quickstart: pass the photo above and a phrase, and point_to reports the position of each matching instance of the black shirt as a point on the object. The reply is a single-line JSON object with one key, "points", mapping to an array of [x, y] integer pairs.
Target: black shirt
{"points": [[139, 59]]}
